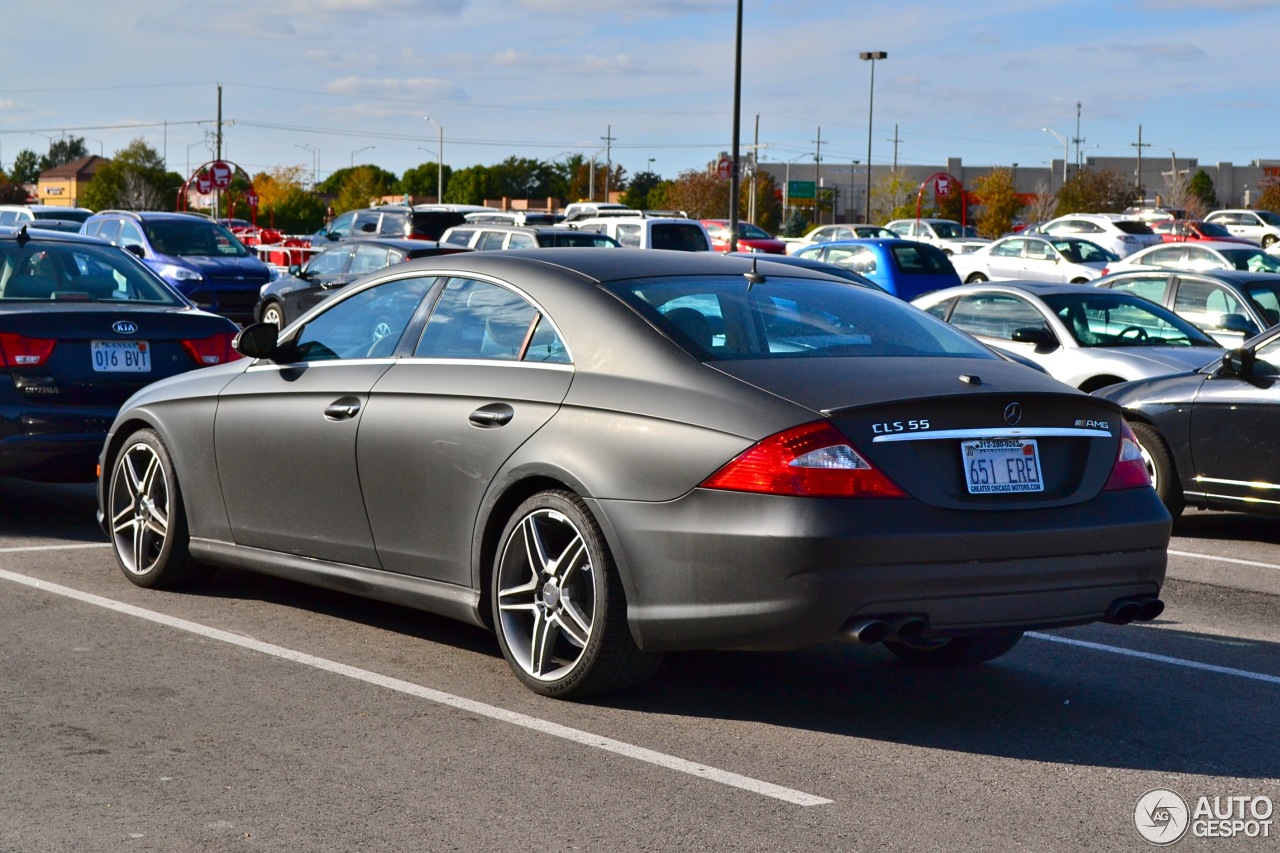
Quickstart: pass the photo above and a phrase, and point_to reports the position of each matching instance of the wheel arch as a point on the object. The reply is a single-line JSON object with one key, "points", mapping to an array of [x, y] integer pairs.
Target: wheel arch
{"points": [[1093, 383]]}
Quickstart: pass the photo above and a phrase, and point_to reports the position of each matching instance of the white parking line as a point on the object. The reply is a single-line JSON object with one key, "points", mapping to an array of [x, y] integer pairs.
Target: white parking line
{"points": [[493, 712], [1271, 566], [1186, 664], [17, 549]]}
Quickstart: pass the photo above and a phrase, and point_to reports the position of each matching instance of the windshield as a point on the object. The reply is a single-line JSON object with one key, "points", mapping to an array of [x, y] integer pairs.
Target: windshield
{"points": [[1110, 319], [1268, 217], [1213, 229], [70, 214], [73, 272], [1083, 252], [193, 238], [1266, 298], [1251, 260], [725, 317], [755, 232], [947, 230]]}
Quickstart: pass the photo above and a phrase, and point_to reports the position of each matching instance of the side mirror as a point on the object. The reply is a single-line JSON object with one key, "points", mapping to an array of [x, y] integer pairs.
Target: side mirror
{"points": [[295, 269], [135, 249], [1039, 336], [257, 340], [1237, 323], [1238, 362]]}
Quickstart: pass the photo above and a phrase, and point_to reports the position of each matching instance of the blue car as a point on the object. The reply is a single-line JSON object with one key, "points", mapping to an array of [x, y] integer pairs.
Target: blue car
{"points": [[200, 258], [905, 268]]}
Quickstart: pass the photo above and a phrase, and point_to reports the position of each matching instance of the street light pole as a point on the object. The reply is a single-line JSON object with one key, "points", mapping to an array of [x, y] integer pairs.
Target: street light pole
{"points": [[1066, 151], [315, 160], [871, 56], [734, 201], [357, 151], [439, 162]]}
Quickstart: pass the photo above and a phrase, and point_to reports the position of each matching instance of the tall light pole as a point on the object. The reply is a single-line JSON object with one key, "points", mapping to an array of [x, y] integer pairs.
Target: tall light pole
{"points": [[101, 150], [315, 161], [1066, 150], [357, 151], [870, 56], [439, 161], [734, 179]]}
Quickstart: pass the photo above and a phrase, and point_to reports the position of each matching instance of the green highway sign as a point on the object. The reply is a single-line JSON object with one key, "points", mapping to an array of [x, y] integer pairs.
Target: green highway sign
{"points": [[800, 189]]}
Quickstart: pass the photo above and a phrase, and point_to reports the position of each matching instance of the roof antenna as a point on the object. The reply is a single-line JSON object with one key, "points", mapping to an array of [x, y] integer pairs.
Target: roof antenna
{"points": [[753, 277], [23, 237]]}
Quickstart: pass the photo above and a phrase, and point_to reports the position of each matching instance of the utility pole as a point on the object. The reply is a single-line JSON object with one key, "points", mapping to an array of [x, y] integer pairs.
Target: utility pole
{"points": [[1139, 145], [755, 160], [608, 159], [817, 176], [1078, 140], [895, 142]]}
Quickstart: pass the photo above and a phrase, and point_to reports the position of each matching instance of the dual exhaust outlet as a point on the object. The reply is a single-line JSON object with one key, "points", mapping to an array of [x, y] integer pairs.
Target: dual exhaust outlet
{"points": [[869, 630]]}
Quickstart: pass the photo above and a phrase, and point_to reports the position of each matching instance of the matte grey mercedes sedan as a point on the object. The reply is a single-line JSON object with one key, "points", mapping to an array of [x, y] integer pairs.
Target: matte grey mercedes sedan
{"points": [[604, 456]]}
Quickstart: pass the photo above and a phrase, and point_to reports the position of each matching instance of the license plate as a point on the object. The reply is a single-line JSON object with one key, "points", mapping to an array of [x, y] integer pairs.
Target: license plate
{"points": [[1001, 465], [121, 356]]}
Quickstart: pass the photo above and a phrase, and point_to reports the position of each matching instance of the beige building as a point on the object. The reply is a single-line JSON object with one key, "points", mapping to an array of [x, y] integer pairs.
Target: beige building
{"points": [[61, 185]]}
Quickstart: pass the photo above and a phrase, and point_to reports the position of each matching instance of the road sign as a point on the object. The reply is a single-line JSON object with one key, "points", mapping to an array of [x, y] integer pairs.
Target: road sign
{"points": [[252, 199], [801, 189], [220, 172], [204, 183], [942, 186], [724, 168]]}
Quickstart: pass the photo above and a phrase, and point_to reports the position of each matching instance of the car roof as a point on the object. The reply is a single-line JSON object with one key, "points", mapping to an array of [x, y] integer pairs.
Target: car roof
{"points": [[1222, 245], [1237, 277], [150, 214], [394, 242], [1035, 288], [10, 232], [605, 266]]}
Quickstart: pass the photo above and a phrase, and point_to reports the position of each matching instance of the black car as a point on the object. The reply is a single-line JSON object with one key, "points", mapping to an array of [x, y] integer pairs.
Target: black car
{"points": [[1209, 437], [605, 455], [1228, 305], [289, 296], [83, 325], [407, 223]]}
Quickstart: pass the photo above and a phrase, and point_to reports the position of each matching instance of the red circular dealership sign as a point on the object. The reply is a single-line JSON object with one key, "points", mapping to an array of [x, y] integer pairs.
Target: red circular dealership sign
{"points": [[724, 168], [220, 171], [204, 184]]}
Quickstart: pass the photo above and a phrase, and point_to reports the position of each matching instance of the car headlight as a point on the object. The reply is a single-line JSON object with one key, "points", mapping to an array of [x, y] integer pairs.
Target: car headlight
{"points": [[177, 273]]}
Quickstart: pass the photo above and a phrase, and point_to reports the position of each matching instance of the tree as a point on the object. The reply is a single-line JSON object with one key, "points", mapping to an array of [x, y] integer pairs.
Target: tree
{"points": [[422, 179], [133, 179], [1095, 191], [1269, 198], [1000, 202], [700, 194], [637, 194], [1201, 186], [893, 197], [26, 167], [62, 151], [1042, 204], [361, 187], [333, 184], [284, 203]]}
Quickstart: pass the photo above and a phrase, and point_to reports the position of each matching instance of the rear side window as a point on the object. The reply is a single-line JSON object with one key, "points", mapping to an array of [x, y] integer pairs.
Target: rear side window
{"points": [[1133, 226], [479, 320], [920, 259], [1148, 287]]}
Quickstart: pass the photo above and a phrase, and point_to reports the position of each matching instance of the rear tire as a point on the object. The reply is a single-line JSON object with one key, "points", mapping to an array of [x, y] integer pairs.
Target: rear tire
{"points": [[148, 522], [1160, 467], [273, 312], [1268, 240], [559, 609], [955, 651], [975, 278]]}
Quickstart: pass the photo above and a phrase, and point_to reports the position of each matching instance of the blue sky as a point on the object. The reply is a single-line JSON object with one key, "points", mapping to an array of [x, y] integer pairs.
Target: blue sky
{"points": [[540, 78]]}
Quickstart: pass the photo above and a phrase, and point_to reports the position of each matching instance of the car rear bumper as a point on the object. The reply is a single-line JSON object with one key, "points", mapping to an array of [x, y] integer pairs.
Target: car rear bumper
{"points": [[721, 570], [60, 445]]}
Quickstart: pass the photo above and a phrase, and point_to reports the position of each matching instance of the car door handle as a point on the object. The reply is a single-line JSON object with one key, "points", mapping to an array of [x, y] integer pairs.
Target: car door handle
{"points": [[492, 415], [342, 409]]}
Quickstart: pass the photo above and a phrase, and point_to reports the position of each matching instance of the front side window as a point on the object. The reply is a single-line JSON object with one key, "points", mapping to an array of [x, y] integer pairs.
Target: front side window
{"points": [[480, 320], [995, 315], [1148, 287], [130, 234], [521, 241], [629, 234], [367, 324], [1170, 257], [368, 258], [1008, 249], [330, 262]]}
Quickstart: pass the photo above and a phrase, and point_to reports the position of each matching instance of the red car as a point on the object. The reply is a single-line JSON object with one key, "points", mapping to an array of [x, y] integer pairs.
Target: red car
{"points": [[751, 238], [1182, 230]]}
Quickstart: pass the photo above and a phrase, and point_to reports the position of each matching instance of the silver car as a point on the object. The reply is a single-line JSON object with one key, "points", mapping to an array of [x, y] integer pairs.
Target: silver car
{"points": [[1199, 257], [1080, 335], [1035, 258]]}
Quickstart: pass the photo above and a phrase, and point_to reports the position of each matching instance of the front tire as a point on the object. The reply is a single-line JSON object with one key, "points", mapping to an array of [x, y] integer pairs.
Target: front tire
{"points": [[1160, 467], [148, 523], [559, 609], [975, 278], [1268, 240], [955, 651], [273, 312]]}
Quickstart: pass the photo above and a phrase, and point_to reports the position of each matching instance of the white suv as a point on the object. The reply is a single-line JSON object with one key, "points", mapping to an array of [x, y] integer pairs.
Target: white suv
{"points": [[1260, 226], [947, 234], [646, 232], [1115, 232]]}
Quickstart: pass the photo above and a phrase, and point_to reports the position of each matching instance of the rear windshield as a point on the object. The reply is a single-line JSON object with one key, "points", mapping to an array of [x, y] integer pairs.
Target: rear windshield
{"points": [[68, 213], [1133, 226], [678, 235], [72, 272], [430, 224], [920, 259], [725, 318]]}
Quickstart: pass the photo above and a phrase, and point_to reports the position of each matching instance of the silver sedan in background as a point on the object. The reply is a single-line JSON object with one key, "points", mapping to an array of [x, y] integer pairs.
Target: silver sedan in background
{"points": [[1035, 258]]}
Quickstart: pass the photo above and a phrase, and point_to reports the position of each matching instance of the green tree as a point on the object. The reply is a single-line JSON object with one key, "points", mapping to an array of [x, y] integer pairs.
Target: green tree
{"points": [[421, 180], [893, 197], [1201, 186], [637, 194], [1000, 202], [361, 187], [333, 184], [133, 179], [62, 151], [26, 167], [1095, 191]]}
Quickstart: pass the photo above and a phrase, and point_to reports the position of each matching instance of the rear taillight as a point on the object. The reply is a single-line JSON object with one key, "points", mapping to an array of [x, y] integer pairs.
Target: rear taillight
{"points": [[21, 351], [215, 349], [814, 460], [1130, 470], [1106, 270]]}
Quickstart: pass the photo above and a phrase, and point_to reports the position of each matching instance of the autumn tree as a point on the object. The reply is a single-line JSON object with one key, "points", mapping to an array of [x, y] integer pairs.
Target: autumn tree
{"points": [[700, 194], [1269, 198], [1095, 191], [1000, 202], [893, 197], [361, 187], [1042, 205]]}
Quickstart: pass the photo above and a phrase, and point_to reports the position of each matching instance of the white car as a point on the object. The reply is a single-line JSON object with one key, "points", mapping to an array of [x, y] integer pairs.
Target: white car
{"points": [[1114, 232], [1200, 256], [832, 233], [1034, 257], [648, 232], [1084, 336], [1260, 226], [947, 234]]}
